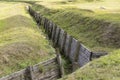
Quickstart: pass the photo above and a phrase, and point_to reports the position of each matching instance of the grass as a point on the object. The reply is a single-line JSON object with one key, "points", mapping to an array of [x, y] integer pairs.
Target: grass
{"points": [[96, 24], [90, 26], [21, 42], [105, 68]]}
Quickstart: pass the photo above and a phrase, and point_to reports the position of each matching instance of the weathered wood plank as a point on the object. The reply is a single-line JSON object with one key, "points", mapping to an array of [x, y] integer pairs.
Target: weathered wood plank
{"points": [[74, 50], [57, 36], [60, 64], [61, 41], [84, 55], [67, 47], [53, 31]]}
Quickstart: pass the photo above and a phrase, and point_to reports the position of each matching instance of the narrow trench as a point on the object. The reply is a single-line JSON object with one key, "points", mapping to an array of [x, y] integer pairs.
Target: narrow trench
{"points": [[80, 54], [67, 64]]}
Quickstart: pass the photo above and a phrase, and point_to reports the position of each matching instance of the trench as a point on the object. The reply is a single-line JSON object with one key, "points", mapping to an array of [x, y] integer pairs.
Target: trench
{"points": [[66, 63], [74, 54], [64, 44]]}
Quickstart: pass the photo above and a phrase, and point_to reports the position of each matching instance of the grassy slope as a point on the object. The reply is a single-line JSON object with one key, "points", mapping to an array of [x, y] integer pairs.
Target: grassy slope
{"points": [[105, 68], [21, 42], [97, 28], [69, 15]]}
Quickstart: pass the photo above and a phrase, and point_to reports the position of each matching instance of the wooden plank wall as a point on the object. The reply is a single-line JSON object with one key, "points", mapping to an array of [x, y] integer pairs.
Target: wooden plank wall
{"points": [[69, 46], [47, 70], [52, 69]]}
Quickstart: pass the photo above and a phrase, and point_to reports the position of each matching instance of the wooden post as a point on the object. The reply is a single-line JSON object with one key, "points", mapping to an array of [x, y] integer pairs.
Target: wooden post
{"points": [[56, 36], [67, 47], [59, 60], [29, 73]]}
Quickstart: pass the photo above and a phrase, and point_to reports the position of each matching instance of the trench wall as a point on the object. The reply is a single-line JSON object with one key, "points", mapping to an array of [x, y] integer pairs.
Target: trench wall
{"points": [[71, 48]]}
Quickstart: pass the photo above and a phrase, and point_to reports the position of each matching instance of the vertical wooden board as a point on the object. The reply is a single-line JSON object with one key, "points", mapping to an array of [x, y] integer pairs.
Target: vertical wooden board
{"points": [[45, 21], [32, 13], [42, 22], [84, 56], [37, 17], [53, 31], [87, 52], [29, 9], [53, 28], [57, 35], [82, 61], [50, 29], [67, 45], [59, 60], [61, 39], [74, 50], [40, 19], [46, 25]]}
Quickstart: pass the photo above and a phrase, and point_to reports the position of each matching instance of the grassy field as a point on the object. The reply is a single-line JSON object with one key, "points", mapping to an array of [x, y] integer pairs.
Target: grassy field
{"points": [[95, 23], [21, 42]]}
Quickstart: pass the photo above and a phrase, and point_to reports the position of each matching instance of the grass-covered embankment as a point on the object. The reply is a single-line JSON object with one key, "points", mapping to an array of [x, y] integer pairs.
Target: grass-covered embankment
{"points": [[95, 23], [105, 68], [21, 42], [97, 26]]}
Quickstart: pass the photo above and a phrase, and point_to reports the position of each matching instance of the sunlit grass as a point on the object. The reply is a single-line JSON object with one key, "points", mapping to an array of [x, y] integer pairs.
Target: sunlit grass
{"points": [[87, 22], [21, 42]]}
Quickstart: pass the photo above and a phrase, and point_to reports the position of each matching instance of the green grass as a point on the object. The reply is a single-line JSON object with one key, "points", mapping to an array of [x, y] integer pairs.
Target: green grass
{"points": [[98, 29], [89, 28], [21, 42], [105, 68], [96, 24]]}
